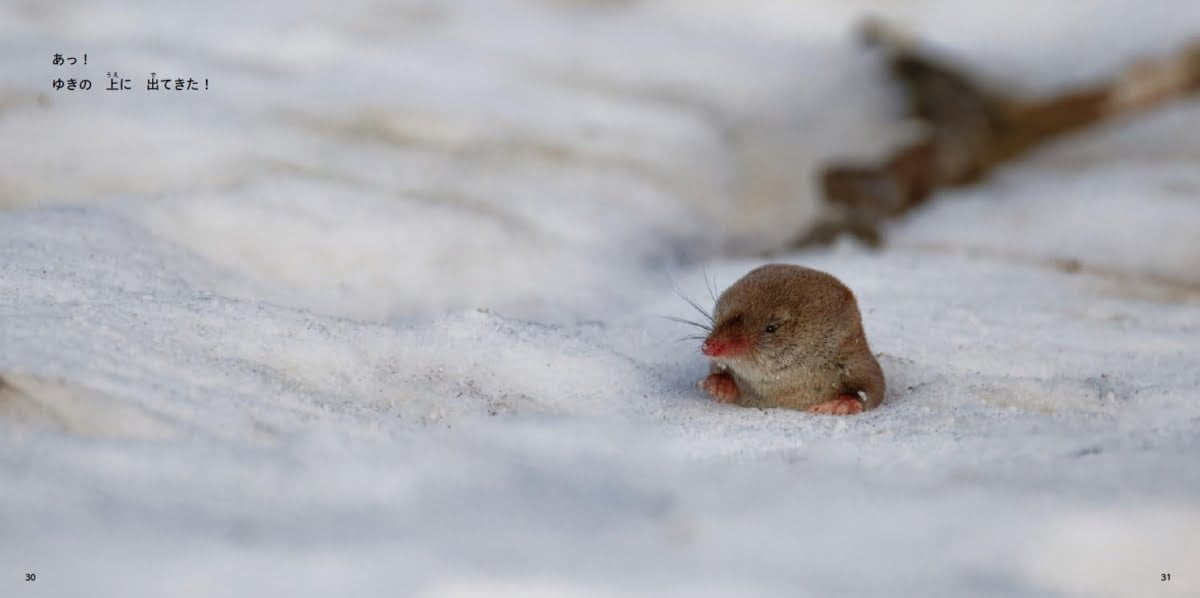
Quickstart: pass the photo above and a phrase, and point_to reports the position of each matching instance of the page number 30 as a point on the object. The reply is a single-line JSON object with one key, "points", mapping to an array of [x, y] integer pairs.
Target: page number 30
{"points": [[31, 577]]}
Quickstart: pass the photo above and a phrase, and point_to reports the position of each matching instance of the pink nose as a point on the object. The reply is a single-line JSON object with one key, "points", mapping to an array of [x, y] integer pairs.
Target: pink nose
{"points": [[712, 348]]}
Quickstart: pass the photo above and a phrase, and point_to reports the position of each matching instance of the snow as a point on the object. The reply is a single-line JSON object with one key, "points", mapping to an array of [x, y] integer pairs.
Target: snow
{"points": [[380, 312]]}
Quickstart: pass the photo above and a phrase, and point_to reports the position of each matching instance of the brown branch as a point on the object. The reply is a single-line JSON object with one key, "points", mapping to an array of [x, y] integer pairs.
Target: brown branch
{"points": [[971, 130]]}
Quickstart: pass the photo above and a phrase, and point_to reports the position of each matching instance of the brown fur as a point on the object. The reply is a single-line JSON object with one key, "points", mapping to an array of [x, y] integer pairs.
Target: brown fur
{"points": [[817, 353]]}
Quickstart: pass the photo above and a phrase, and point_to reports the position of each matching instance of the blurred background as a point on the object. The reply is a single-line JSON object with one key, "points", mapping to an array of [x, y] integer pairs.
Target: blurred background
{"points": [[511, 141]]}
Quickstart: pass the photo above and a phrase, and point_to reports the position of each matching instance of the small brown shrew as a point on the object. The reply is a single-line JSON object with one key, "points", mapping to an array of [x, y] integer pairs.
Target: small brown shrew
{"points": [[790, 336]]}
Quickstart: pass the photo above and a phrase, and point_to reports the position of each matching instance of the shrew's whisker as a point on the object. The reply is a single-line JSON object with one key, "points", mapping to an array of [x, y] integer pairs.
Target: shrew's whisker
{"points": [[711, 284], [699, 325], [692, 302]]}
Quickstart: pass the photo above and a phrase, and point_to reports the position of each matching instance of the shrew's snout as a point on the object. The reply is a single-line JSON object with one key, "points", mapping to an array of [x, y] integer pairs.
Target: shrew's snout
{"points": [[716, 347]]}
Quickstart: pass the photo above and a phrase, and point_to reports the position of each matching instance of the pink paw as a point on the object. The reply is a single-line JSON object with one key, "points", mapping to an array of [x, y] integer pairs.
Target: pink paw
{"points": [[843, 405], [721, 387]]}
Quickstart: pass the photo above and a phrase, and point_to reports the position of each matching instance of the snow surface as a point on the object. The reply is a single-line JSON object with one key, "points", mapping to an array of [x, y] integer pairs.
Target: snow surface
{"points": [[379, 313]]}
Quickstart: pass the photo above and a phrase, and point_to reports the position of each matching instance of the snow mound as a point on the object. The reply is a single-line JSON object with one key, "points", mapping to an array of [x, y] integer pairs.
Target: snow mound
{"points": [[381, 313]]}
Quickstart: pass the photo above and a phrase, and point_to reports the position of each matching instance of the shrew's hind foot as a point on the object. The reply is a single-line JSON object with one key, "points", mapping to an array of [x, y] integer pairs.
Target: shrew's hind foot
{"points": [[722, 387], [843, 405]]}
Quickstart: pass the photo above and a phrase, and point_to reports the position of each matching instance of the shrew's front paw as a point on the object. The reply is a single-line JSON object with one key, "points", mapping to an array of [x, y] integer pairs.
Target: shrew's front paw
{"points": [[721, 387]]}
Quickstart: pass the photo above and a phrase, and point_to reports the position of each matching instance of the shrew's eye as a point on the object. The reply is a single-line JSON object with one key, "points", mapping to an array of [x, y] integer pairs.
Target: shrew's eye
{"points": [[771, 328]]}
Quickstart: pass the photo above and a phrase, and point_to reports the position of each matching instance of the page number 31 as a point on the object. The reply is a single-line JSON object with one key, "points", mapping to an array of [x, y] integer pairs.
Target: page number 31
{"points": [[1165, 577]]}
